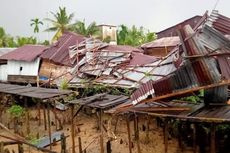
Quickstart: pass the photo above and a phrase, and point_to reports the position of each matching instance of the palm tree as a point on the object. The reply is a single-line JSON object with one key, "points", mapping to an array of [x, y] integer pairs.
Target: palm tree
{"points": [[61, 22], [81, 28], [36, 22]]}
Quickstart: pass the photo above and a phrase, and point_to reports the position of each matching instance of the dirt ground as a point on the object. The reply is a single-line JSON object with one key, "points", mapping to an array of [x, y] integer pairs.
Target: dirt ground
{"points": [[86, 128]]}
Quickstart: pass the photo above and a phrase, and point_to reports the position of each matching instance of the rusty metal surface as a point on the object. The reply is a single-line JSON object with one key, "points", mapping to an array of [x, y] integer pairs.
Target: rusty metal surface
{"points": [[163, 42], [26, 53], [59, 52], [101, 101], [35, 92]]}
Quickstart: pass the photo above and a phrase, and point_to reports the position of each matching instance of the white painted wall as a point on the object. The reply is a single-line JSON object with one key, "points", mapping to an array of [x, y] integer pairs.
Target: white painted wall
{"points": [[3, 72], [28, 68]]}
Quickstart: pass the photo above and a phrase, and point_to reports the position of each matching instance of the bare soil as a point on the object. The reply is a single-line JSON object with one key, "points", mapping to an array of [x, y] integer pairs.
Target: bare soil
{"points": [[86, 128]]}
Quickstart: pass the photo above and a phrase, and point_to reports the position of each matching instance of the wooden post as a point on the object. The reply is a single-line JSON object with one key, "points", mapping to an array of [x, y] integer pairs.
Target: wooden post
{"points": [[49, 124], [129, 134], [101, 130], [39, 113], [27, 117], [147, 129], [80, 145], [44, 114], [166, 135], [1, 147], [116, 122], [72, 128], [108, 147], [213, 138], [180, 144], [194, 137], [63, 143], [55, 115], [137, 134], [20, 148]]}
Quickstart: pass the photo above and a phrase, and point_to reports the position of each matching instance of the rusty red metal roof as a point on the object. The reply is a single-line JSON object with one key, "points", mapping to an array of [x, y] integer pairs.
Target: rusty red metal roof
{"points": [[122, 48], [163, 42], [25, 53], [220, 22], [142, 59], [59, 51]]}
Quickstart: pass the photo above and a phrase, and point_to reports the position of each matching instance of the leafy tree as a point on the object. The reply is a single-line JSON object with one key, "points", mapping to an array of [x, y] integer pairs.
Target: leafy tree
{"points": [[20, 41], [88, 31], [35, 23], [134, 36], [61, 22], [5, 39]]}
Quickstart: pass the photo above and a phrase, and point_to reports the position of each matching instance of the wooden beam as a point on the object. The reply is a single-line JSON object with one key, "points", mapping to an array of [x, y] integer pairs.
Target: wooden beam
{"points": [[80, 145], [137, 135], [39, 113], [27, 117], [194, 137]]}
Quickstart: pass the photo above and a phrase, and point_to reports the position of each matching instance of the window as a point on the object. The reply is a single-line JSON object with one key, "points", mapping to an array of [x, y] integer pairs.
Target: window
{"points": [[20, 68]]}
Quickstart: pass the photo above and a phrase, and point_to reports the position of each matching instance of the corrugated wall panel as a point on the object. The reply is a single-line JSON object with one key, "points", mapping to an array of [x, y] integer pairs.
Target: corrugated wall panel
{"points": [[3, 72]]}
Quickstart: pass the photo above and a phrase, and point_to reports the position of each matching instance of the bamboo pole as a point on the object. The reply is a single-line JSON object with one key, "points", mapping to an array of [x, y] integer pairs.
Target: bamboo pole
{"points": [[129, 134], [72, 128]]}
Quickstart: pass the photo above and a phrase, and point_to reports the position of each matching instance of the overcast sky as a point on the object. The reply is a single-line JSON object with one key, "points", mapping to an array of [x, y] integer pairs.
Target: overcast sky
{"points": [[154, 15]]}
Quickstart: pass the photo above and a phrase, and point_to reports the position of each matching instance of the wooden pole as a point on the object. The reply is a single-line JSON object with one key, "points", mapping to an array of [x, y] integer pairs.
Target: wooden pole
{"points": [[1, 147], [194, 137], [129, 134], [44, 114], [101, 130], [63, 143], [72, 128], [55, 116], [147, 129], [213, 138], [49, 125], [20, 148], [80, 145], [180, 144], [108, 147], [166, 135], [39, 113], [116, 122], [27, 117], [137, 135]]}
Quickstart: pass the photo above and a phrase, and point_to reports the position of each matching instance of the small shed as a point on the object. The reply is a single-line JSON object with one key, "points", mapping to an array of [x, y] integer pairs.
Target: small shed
{"points": [[161, 47], [23, 63]]}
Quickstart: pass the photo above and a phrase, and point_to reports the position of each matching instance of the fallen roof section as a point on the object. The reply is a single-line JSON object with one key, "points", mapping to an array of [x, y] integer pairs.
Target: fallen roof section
{"points": [[26, 53]]}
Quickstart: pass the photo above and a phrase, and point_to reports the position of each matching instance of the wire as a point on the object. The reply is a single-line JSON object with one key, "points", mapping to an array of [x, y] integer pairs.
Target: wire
{"points": [[217, 2]]}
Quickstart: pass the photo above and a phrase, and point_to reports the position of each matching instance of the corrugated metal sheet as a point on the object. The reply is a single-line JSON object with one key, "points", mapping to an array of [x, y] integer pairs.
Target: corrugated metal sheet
{"points": [[162, 42], [59, 52], [3, 72], [25, 53]]}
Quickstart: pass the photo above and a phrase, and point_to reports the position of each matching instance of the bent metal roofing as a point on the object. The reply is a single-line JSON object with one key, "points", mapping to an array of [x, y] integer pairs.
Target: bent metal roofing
{"points": [[59, 51], [26, 53]]}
